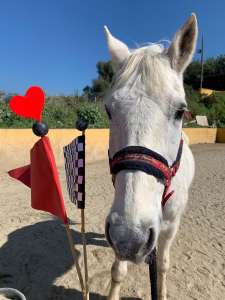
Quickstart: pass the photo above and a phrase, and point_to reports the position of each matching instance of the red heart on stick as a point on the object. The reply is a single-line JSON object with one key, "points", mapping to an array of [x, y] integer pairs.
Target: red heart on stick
{"points": [[29, 106]]}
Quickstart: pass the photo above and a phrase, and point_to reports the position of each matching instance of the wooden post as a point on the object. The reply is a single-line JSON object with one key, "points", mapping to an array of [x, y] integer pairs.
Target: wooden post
{"points": [[83, 233], [84, 252], [202, 65], [75, 258]]}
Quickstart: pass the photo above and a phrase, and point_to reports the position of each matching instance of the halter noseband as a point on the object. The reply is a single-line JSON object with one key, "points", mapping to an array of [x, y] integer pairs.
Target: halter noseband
{"points": [[143, 159]]}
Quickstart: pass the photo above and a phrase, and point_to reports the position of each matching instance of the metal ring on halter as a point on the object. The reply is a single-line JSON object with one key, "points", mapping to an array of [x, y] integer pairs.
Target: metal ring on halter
{"points": [[10, 292]]}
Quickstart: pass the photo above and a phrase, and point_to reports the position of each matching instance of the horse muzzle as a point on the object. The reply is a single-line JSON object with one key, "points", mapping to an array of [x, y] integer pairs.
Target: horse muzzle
{"points": [[132, 243]]}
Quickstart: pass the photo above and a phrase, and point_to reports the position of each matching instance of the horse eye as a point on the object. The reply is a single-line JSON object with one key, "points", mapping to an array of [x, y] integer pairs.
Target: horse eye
{"points": [[108, 113], [179, 114]]}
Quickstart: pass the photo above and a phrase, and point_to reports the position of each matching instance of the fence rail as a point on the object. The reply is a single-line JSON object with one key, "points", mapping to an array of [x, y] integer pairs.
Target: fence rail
{"points": [[16, 143]]}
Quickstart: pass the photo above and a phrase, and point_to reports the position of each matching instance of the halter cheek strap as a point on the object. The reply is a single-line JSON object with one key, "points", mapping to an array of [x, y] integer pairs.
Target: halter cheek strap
{"points": [[143, 159]]}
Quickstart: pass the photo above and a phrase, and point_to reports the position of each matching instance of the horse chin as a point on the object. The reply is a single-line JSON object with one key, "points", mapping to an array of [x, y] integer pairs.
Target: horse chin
{"points": [[137, 259]]}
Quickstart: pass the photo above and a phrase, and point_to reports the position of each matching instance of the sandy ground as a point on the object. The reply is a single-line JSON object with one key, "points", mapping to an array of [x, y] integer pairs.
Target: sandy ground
{"points": [[35, 258]]}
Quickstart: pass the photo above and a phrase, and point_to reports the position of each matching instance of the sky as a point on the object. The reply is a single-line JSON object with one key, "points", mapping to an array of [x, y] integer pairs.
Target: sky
{"points": [[56, 43]]}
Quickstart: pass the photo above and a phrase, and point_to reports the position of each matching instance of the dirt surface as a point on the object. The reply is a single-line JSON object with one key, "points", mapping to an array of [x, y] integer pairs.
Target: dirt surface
{"points": [[35, 257]]}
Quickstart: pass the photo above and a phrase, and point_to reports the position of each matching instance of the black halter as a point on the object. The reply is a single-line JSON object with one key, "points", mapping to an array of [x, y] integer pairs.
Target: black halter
{"points": [[146, 160], [152, 163]]}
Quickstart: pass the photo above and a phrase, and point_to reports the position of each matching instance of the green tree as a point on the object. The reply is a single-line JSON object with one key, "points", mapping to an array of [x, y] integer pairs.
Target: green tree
{"points": [[214, 73], [105, 70], [88, 92], [99, 87], [101, 83], [192, 74]]}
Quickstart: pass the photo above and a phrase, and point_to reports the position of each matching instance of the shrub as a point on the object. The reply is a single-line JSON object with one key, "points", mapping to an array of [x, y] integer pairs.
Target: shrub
{"points": [[216, 111], [62, 111], [91, 113]]}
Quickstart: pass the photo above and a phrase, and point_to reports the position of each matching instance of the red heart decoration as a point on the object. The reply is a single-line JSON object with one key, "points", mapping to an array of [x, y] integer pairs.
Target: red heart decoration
{"points": [[29, 106]]}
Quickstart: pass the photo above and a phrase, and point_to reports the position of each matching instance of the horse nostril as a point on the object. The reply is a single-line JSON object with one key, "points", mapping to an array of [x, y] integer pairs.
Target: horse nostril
{"points": [[107, 234]]}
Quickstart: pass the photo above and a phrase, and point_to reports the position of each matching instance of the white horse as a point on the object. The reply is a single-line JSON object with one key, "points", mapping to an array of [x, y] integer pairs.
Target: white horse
{"points": [[145, 105]]}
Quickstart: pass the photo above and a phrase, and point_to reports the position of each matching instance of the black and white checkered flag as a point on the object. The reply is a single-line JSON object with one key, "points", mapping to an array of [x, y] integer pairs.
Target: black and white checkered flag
{"points": [[74, 155]]}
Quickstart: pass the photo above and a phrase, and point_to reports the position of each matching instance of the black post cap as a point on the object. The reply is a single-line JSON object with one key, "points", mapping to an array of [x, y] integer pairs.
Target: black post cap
{"points": [[40, 129], [81, 124]]}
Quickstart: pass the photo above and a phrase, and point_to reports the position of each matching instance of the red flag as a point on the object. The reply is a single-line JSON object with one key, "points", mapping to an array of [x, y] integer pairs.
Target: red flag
{"points": [[22, 174], [42, 177]]}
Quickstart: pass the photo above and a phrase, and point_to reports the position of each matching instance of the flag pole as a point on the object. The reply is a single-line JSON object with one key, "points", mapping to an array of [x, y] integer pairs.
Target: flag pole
{"points": [[74, 155], [84, 237], [25, 175], [202, 64], [75, 258], [41, 129], [85, 253]]}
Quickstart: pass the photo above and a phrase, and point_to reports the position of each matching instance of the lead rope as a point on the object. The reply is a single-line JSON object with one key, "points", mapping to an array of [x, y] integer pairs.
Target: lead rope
{"points": [[152, 258], [152, 266]]}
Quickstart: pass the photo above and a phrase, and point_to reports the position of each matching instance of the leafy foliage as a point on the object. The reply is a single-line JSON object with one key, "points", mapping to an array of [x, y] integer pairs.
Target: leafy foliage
{"points": [[92, 113], [9, 120], [101, 83], [214, 74], [211, 106], [62, 111], [59, 112], [216, 109]]}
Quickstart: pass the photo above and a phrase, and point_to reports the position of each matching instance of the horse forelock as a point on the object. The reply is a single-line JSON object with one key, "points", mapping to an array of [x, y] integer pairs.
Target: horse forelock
{"points": [[151, 65]]}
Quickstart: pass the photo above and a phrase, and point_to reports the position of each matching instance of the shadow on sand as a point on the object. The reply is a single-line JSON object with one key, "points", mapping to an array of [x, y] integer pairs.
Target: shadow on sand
{"points": [[69, 294], [35, 255]]}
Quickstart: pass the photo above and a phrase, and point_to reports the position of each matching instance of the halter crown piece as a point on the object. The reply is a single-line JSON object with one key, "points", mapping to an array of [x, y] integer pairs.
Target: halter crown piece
{"points": [[143, 159]]}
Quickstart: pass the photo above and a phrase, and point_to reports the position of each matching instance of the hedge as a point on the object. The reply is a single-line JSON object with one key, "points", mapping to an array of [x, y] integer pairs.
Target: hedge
{"points": [[62, 111]]}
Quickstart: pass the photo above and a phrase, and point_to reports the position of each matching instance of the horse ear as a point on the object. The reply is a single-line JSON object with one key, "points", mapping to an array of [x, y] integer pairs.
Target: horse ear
{"points": [[118, 50], [183, 45]]}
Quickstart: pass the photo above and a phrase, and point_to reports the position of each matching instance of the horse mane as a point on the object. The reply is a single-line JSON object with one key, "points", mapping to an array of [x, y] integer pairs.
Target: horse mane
{"points": [[150, 64]]}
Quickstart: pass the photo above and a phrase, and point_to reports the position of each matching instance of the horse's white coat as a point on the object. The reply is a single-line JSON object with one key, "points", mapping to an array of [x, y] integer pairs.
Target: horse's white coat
{"points": [[146, 94]]}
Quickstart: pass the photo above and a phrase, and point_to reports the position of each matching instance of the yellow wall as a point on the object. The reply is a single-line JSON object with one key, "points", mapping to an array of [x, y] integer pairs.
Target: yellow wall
{"points": [[201, 135], [206, 92], [16, 143], [220, 138]]}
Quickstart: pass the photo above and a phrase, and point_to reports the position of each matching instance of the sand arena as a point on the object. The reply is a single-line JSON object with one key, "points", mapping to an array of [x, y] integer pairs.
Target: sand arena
{"points": [[35, 257]]}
